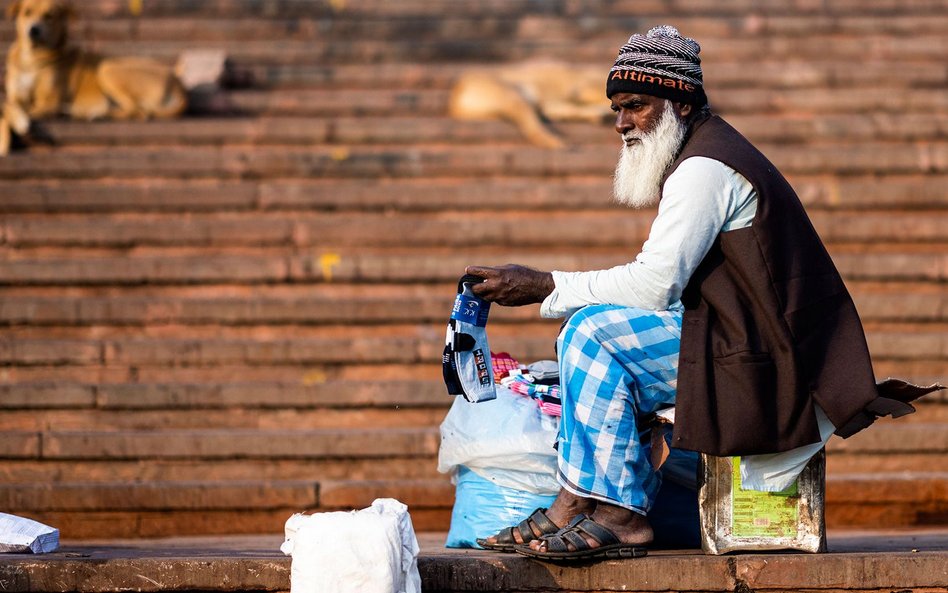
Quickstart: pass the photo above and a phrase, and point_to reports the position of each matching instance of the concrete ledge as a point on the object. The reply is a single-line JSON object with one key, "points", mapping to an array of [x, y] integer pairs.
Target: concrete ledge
{"points": [[864, 561]]}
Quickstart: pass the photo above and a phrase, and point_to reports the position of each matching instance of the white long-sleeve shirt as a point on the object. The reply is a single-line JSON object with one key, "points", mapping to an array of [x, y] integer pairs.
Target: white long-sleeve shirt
{"points": [[700, 200]]}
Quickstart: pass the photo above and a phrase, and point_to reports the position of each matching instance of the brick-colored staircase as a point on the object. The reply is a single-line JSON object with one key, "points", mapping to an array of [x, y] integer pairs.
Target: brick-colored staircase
{"points": [[211, 323]]}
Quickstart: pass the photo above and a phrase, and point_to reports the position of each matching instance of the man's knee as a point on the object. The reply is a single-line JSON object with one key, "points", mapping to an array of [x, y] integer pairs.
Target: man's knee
{"points": [[586, 319]]}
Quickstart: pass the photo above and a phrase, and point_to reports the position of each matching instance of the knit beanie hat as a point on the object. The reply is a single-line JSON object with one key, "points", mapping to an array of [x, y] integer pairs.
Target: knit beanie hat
{"points": [[660, 63]]}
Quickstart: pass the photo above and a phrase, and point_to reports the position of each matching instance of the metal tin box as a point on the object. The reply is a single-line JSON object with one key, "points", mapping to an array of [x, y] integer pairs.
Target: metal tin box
{"points": [[734, 519]]}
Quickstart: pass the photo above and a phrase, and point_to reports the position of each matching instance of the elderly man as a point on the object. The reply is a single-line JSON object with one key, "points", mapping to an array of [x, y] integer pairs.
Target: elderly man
{"points": [[733, 310]]}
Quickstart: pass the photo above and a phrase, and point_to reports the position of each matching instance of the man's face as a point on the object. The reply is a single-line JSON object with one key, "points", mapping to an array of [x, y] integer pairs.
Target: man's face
{"points": [[652, 131], [638, 114]]}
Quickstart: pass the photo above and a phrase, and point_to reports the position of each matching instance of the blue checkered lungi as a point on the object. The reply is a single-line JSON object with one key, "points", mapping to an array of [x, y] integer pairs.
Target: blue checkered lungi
{"points": [[617, 364]]}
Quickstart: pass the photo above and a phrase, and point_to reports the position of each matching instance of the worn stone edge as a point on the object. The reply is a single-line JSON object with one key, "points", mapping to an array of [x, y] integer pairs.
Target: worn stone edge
{"points": [[479, 571]]}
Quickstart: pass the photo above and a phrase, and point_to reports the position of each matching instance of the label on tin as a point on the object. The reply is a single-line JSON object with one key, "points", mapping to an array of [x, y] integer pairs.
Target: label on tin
{"points": [[763, 514]]}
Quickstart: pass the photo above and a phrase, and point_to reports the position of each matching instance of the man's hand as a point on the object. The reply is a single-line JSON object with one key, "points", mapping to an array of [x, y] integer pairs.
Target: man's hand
{"points": [[511, 285]]}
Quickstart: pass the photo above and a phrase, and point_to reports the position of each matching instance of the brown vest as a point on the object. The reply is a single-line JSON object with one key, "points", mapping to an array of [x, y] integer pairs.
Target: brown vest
{"points": [[769, 328]]}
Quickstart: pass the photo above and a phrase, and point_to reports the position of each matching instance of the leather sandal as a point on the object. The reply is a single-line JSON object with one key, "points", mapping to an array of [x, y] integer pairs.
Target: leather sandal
{"points": [[505, 541], [576, 534]]}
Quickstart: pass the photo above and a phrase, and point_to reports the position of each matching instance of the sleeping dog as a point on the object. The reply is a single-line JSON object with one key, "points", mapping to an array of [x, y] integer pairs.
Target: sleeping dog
{"points": [[47, 77], [531, 94]]}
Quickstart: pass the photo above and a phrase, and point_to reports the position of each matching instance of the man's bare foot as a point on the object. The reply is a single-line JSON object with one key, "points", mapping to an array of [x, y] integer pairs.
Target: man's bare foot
{"points": [[564, 508], [630, 527]]}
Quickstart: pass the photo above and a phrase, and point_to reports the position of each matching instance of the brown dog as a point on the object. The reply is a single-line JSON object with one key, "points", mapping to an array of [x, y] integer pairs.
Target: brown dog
{"points": [[527, 94], [47, 77]]}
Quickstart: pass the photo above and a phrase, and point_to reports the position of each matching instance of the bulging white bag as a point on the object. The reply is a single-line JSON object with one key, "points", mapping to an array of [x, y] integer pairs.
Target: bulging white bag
{"points": [[373, 550], [19, 535], [505, 440]]}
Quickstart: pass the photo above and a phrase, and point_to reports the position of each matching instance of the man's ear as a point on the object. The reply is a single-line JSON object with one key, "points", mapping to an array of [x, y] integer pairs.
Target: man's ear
{"points": [[12, 9], [684, 109]]}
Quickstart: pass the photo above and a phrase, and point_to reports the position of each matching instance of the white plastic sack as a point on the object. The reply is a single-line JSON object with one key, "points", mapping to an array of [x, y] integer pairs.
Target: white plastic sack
{"points": [[19, 534], [506, 440], [373, 550]]}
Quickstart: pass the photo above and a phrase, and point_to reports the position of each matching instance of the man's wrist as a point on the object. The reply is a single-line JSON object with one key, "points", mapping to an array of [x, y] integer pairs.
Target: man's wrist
{"points": [[546, 286]]}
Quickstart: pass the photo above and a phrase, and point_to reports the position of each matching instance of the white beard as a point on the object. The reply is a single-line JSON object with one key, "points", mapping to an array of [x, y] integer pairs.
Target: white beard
{"points": [[641, 166]]}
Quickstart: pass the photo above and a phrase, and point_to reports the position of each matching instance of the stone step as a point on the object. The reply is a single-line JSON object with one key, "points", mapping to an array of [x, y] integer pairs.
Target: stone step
{"points": [[208, 444], [33, 471], [894, 437], [897, 499], [761, 71], [138, 397], [400, 346], [24, 470], [232, 162], [266, 130], [155, 496], [274, 305], [307, 374], [154, 509], [266, 412], [83, 511], [405, 349], [187, 419], [249, 405], [306, 495], [39, 195], [533, 25], [318, 394], [506, 8], [215, 266], [923, 371], [858, 562], [889, 437], [744, 101], [601, 48], [451, 228], [877, 450], [352, 304]]}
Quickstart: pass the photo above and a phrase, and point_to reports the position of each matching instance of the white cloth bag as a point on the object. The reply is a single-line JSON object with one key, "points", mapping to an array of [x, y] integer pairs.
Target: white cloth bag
{"points": [[373, 550]]}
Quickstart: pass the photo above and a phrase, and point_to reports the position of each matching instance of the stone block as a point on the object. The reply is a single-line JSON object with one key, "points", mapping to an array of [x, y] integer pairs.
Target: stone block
{"points": [[909, 344], [272, 395], [361, 493], [241, 444], [38, 195], [893, 266], [896, 437], [149, 230], [139, 270], [157, 496], [908, 488], [46, 395], [51, 352], [302, 350], [33, 470], [19, 445]]}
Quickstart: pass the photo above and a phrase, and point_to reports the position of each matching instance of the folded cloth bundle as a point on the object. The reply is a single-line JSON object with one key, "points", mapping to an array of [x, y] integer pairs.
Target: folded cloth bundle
{"points": [[503, 363], [466, 362], [547, 396]]}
